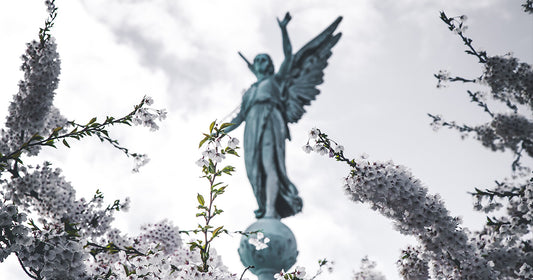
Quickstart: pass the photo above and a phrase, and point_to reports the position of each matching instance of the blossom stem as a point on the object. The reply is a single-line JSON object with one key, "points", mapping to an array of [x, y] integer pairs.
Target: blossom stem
{"points": [[24, 268], [246, 269]]}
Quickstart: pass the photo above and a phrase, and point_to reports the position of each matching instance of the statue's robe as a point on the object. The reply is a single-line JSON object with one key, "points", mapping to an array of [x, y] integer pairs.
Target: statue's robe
{"points": [[264, 143]]}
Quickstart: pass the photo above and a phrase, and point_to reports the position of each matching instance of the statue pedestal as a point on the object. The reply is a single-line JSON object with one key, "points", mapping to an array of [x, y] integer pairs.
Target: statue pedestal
{"points": [[280, 254]]}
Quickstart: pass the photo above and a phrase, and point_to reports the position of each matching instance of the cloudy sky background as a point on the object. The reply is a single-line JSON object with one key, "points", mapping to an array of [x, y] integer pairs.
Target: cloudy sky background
{"points": [[378, 88]]}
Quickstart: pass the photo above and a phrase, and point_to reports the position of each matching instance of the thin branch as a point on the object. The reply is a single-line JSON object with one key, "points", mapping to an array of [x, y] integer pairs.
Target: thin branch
{"points": [[24, 268], [482, 55], [246, 269], [475, 98]]}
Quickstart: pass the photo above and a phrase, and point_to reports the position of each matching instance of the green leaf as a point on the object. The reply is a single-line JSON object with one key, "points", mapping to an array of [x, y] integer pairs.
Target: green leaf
{"points": [[211, 167], [212, 126], [36, 137], [193, 246], [228, 169], [66, 143], [57, 129], [92, 121], [50, 143], [16, 157], [224, 125], [203, 141], [17, 154], [200, 199], [215, 232]]}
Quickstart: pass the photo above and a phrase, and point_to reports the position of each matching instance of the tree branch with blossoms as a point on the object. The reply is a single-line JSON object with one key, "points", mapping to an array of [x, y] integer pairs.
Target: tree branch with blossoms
{"points": [[456, 24], [91, 128], [393, 191], [508, 236], [510, 82]]}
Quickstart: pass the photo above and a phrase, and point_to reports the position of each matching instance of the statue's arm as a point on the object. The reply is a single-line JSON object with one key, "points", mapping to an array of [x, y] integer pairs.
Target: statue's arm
{"points": [[287, 47], [250, 65], [235, 121]]}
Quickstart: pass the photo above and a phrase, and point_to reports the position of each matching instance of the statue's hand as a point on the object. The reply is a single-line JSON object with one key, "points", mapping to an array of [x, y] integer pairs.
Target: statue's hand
{"points": [[285, 21]]}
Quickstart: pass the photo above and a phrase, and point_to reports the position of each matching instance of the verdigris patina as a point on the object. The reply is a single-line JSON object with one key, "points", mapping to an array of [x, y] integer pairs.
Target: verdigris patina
{"points": [[272, 102]]}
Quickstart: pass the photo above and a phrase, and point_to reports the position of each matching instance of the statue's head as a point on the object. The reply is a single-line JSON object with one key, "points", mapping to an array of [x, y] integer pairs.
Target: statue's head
{"points": [[263, 64]]}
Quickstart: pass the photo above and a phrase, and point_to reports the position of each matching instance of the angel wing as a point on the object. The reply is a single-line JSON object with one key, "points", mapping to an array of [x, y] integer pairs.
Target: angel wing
{"points": [[307, 71]]}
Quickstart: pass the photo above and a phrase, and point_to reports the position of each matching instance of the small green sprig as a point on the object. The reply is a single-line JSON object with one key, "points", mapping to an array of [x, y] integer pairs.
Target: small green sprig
{"points": [[211, 169]]}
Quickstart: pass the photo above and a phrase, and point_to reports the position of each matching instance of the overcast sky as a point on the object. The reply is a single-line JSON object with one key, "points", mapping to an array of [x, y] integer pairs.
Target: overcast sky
{"points": [[378, 88]]}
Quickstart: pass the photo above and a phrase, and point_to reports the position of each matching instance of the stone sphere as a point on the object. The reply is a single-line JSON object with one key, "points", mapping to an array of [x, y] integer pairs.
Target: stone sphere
{"points": [[280, 254]]}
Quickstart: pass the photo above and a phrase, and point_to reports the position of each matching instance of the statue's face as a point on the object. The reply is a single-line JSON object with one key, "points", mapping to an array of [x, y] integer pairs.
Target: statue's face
{"points": [[263, 64]]}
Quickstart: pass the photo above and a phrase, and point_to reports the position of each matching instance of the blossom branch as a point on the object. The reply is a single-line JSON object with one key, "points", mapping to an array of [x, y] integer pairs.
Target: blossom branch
{"points": [[79, 131], [212, 156], [477, 98], [456, 24], [393, 191]]}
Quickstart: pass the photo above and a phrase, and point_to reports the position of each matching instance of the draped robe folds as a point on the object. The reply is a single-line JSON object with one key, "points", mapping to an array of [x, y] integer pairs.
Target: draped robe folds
{"points": [[264, 143]]}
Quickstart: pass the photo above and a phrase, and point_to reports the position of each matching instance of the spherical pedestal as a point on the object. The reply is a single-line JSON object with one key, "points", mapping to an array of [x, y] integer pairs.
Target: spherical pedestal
{"points": [[280, 254]]}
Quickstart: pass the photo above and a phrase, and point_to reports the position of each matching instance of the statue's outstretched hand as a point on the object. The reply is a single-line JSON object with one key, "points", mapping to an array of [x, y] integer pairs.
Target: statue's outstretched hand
{"points": [[285, 21]]}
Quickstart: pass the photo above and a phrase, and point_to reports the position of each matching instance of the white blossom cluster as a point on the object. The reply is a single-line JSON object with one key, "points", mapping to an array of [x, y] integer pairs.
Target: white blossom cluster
{"points": [[139, 160], [367, 271], [31, 110], [259, 241], [52, 254], [392, 190], [148, 116], [13, 234], [512, 131], [318, 148], [460, 26], [507, 240], [502, 250], [443, 76], [160, 255], [163, 233], [45, 192], [298, 273], [413, 264], [56, 248], [213, 151], [509, 79]]}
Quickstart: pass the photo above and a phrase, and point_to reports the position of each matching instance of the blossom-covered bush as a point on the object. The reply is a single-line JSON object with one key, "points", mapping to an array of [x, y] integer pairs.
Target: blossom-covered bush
{"points": [[53, 233]]}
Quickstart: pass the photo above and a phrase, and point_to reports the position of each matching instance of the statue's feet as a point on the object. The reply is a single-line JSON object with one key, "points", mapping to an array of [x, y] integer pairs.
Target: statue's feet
{"points": [[259, 213], [268, 214], [271, 214]]}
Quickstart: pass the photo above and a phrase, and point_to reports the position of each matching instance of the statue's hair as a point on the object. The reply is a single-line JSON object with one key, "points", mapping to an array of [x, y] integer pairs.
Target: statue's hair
{"points": [[270, 69]]}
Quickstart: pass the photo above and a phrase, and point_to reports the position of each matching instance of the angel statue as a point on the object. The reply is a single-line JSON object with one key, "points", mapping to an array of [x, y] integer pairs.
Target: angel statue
{"points": [[272, 102]]}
